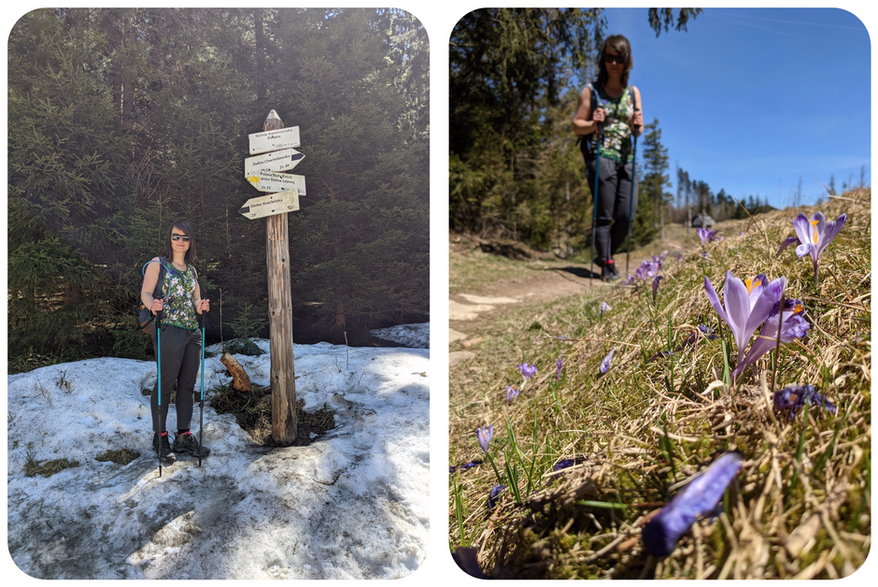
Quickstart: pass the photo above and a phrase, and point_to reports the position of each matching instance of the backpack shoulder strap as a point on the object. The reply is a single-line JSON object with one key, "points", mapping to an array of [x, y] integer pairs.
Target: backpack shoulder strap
{"points": [[157, 292], [595, 101], [634, 93]]}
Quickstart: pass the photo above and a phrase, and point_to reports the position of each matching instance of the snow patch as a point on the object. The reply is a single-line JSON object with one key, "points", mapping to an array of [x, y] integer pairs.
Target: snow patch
{"points": [[352, 505]]}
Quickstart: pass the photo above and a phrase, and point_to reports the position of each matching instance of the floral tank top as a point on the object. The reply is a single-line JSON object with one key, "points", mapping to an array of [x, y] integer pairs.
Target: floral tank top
{"points": [[616, 131], [178, 289]]}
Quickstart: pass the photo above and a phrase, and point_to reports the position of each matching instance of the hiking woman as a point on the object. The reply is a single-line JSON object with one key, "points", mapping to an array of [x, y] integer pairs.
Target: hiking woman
{"points": [[611, 111], [179, 303]]}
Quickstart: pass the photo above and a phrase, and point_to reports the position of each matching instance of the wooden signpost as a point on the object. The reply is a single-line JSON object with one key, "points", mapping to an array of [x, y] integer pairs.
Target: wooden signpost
{"points": [[274, 208]]}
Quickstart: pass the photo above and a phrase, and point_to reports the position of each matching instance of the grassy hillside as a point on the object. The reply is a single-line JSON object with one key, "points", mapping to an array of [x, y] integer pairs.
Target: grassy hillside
{"points": [[587, 458]]}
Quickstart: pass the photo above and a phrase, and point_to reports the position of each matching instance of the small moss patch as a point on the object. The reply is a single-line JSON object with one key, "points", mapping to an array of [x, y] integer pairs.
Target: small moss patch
{"points": [[32, 467], [122, 456]]}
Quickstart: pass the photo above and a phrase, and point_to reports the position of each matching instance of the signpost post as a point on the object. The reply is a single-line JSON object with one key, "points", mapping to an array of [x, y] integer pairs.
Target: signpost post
{"points": [[274, 208]]}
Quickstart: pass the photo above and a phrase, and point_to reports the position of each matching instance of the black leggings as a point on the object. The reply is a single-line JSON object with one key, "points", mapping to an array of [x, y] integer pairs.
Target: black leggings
{"points": [[615, 210], [181, 354]]}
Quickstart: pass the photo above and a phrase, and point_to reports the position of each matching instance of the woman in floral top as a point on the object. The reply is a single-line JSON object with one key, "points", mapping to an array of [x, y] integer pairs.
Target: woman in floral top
{"points": [[179, 304], [618, 115]]}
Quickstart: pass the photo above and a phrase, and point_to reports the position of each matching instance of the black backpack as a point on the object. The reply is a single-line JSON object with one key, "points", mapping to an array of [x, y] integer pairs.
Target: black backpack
{"points": [[145, 317]]}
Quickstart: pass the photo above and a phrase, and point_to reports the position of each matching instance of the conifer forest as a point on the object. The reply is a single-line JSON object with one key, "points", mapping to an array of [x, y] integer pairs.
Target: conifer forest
{"points": [[122, 121]]}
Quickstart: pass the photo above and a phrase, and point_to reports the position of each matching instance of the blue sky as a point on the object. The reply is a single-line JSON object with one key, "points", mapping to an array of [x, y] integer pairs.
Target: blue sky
{"points": [[754, 100]]}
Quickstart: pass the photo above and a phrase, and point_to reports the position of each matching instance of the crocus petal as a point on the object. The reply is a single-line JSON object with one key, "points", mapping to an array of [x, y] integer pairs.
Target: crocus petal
{"points": [[818, 226], [737, 300], [803, 229], [787, 242], [655, 284], [699, 498], [764, 305], [606, 363], [714, 301], [484, 436], [829, 233], [493, 495], [794, 326]]}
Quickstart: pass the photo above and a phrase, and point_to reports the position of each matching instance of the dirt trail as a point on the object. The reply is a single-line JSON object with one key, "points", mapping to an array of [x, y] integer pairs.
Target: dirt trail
{"points": [[470, 312]]}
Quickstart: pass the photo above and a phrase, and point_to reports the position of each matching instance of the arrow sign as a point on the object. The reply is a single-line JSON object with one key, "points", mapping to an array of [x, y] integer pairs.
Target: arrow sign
{"points": [[283, 160], [270, 205], [272, 140], [266, 181]]}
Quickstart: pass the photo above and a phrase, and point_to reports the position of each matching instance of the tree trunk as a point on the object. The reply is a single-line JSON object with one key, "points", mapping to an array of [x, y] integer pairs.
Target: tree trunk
{"points": [[240, 379]]}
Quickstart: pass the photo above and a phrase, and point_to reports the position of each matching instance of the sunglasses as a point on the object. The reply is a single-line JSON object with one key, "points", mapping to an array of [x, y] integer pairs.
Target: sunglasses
{"points": [[180, 237], [620, 59]]}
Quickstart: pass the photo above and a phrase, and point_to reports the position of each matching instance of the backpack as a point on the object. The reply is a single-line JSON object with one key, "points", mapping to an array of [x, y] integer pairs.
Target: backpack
{"points": [[144, 316]]}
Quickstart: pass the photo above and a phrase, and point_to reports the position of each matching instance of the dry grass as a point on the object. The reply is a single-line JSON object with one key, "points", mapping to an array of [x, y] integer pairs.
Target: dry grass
{"points": [[799, 508]]}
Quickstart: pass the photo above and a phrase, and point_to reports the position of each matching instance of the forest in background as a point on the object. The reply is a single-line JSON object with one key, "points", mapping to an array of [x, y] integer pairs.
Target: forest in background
{"points": [[515, 169], [122, 121]]}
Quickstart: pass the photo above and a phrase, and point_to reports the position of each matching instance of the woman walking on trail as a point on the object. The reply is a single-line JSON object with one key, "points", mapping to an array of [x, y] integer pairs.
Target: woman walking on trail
{"points": [[179, 300], [611, 111]]}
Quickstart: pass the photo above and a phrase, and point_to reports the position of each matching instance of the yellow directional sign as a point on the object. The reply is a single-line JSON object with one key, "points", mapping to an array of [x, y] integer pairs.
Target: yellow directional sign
{"points": [[270, 205], [267, 181]]}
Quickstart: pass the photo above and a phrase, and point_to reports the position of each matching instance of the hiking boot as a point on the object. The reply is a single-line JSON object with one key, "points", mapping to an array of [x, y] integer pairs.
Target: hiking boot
{"points": [[611, 265], [608, 273], [186, 443], [162, 447]]}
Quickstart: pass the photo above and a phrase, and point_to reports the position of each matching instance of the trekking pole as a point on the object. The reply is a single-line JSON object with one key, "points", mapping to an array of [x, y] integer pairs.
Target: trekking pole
{"points": [[201, 400], [158, 352], [594, 214], [631, 204]]}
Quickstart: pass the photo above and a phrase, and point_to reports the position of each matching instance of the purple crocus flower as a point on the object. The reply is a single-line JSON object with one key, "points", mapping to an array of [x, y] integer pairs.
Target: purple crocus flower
{"points": [[558, 366], [790, 399], [706, 235], [465, 466], [484, 435], [747, 305], [605, 364], [813, 236], [605, 307], [647, 270], [655, 285], [527, 370], [511, 393], [567, 463], [698, 499], [792, 326], [493, 495]]}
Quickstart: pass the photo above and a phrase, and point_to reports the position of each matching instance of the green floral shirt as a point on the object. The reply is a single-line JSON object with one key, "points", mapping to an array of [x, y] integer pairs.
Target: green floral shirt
{"points": [[178, 289], [616, 131]]}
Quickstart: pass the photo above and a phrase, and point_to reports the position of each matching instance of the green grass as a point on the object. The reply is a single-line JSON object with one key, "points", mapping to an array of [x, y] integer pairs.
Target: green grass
{"points": [[798, 508]]}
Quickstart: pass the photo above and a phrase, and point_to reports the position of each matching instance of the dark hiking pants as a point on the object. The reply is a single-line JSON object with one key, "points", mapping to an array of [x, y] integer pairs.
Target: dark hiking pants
{"points": [[615, 211], [181, 354]]}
